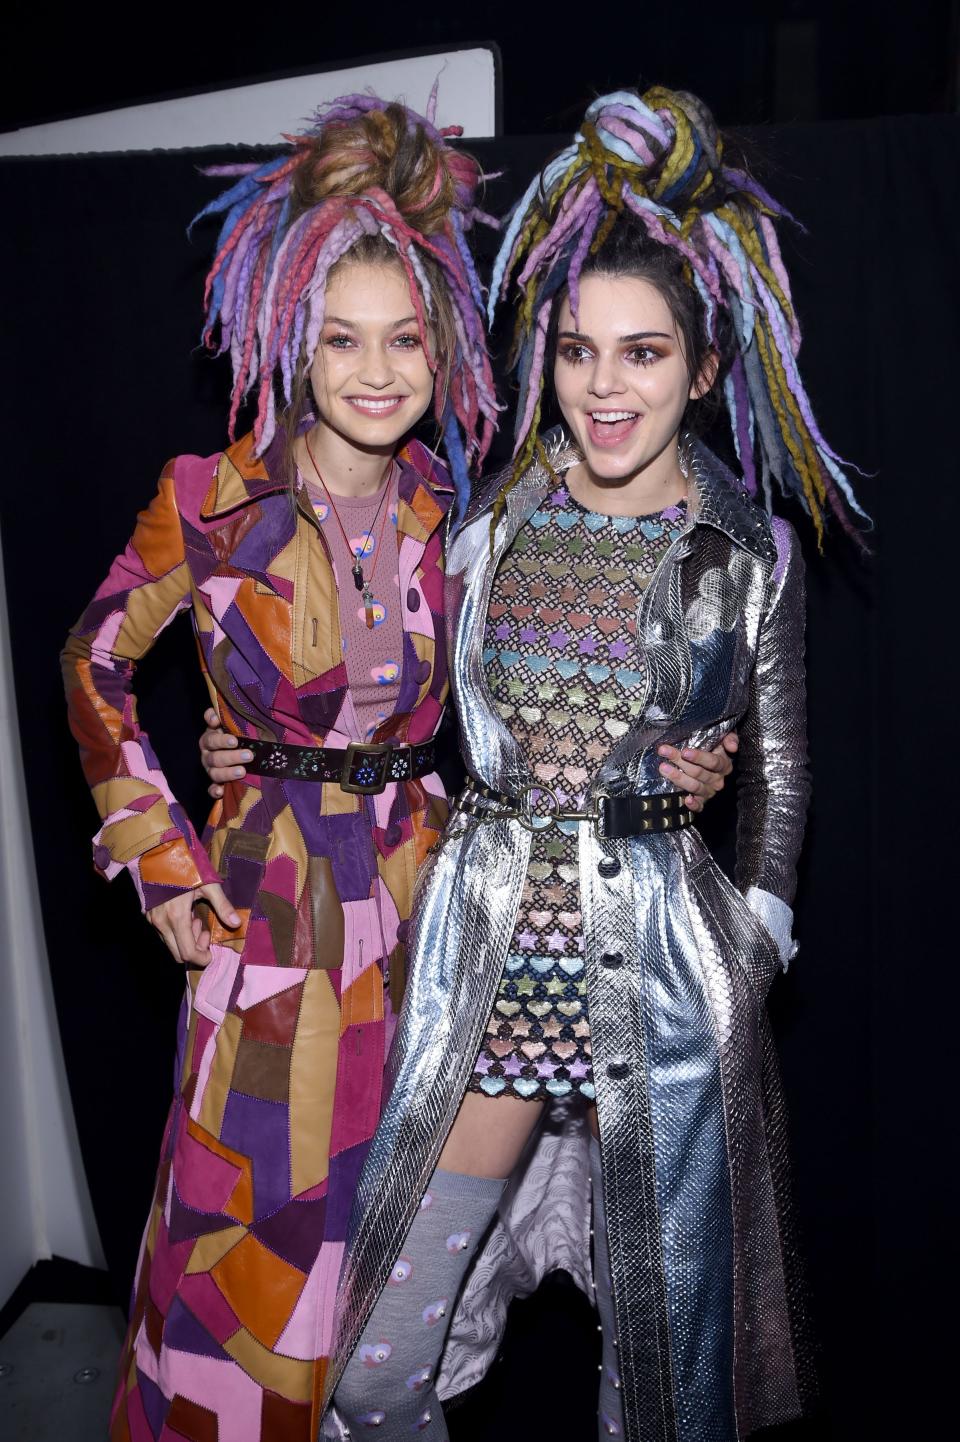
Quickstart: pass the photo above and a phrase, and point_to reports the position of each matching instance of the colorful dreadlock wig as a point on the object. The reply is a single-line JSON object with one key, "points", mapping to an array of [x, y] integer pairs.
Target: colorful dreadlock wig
{"points": [[362, 170], [657, 162]]}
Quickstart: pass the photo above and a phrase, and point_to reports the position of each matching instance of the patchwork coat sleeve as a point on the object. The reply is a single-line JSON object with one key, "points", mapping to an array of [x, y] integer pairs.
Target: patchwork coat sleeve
{"points": [[144, 828], [773, 789]]}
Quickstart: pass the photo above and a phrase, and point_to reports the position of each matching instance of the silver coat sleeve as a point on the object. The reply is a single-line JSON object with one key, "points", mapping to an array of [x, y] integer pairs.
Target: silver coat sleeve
{"points": [[773, 777]]}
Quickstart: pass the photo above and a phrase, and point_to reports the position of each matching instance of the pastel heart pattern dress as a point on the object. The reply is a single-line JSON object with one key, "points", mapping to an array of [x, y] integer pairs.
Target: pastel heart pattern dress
{"points": [[573, 695]]}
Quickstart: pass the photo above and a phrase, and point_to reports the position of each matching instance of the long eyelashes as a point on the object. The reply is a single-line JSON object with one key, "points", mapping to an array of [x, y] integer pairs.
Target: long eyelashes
{"points": [[644, 355], [403, 342], [575, 355]]}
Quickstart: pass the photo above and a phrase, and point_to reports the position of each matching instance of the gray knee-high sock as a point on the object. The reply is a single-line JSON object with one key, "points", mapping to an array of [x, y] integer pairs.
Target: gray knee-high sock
{"points": [[388, 1388], [610, 1407]]}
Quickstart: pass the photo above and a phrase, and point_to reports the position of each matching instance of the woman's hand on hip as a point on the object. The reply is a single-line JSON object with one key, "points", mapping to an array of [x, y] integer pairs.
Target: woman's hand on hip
{"points": [[700, 773], [220, 752], [184, 934]]}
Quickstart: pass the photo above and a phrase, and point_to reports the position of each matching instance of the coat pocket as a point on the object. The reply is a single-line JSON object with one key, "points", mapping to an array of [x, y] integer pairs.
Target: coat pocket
{"points": [[214, 985], [740, 934], [247, 845]]}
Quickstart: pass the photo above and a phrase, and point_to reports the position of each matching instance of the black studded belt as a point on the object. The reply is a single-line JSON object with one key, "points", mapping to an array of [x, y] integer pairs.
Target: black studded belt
{"points": [[612, 816], [363, 769]]}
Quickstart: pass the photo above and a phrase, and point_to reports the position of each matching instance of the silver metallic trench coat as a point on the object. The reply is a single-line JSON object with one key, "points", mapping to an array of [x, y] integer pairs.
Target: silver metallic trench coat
{"points": [[709, 1319]]}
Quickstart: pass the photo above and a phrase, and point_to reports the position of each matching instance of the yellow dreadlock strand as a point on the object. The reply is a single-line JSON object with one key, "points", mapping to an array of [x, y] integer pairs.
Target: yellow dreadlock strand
{"points": [[747, 235], [810, 458], [683, 147], [810, 477]]}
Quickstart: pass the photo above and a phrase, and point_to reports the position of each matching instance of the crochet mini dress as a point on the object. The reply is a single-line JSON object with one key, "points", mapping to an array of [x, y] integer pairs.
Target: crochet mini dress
{"points": [[562, 663]]}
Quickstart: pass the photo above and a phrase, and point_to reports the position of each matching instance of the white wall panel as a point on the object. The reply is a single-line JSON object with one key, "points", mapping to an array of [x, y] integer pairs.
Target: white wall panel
{"points": [[261, 114], [44, 1203]]}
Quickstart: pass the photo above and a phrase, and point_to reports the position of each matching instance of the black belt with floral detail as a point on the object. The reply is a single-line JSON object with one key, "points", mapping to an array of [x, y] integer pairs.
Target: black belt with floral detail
{"points": [[364, 769]]}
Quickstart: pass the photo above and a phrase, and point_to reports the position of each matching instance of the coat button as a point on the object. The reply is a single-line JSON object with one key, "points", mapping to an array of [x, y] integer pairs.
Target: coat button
{"points": [[618, 1069], [413, 599], [612, 959], [608, 867]]}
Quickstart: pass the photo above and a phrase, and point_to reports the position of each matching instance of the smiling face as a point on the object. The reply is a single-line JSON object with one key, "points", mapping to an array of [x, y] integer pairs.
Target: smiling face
{"points": [[621, 378], [370, 376]]}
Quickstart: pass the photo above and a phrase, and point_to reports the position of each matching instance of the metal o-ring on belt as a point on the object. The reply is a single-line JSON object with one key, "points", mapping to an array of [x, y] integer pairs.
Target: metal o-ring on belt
{"points": [[636, 814]]}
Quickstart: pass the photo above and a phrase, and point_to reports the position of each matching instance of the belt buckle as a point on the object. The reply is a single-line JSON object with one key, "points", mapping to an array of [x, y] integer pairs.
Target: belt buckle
{"points": [[364, 770], [596, 815]]}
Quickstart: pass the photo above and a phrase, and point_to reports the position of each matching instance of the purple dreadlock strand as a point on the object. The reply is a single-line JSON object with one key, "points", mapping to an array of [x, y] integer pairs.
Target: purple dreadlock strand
{"points": [[658, 160], [264, 296]]}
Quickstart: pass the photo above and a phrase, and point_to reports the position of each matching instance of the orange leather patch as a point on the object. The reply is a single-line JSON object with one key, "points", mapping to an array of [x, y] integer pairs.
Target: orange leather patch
{"points": [[261, 1288], [363, 998], [319, 1378], [158, 540], [170, 865], [269, 618]]}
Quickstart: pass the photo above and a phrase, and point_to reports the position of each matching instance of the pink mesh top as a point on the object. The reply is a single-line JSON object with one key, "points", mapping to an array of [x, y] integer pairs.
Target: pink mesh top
{"points": [[372, 657]]}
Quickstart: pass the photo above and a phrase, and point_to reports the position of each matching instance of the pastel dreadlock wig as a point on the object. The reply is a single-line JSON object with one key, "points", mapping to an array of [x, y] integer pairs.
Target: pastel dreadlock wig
{"points": [[366, 180], [643, 190]]}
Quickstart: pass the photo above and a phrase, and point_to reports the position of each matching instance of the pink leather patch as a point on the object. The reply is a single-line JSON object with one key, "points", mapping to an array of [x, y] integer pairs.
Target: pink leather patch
{"points": [[207, 1303], [204, 1180]]}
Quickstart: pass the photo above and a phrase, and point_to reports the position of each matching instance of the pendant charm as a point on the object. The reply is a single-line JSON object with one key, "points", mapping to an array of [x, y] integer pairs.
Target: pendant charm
{"points": [[357, 572], [368, 607]]}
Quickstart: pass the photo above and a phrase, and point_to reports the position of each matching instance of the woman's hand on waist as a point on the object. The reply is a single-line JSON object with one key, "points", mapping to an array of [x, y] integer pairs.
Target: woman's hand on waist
{"points": [[222, 755], [700, 773], [183, 933]]}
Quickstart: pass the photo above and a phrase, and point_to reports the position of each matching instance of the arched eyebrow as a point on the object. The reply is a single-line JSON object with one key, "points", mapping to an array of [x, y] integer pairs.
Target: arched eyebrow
{"points": [[623, 340], [352, 324]]}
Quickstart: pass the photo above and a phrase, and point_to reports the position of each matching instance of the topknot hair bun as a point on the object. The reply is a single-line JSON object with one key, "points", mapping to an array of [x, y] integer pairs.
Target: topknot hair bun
{"points": [[387, 149], [657, 162], [366, 177], [668, 147]]}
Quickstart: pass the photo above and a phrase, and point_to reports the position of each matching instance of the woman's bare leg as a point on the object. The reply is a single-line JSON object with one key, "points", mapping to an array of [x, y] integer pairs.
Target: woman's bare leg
{"points": [[489, 1135]]}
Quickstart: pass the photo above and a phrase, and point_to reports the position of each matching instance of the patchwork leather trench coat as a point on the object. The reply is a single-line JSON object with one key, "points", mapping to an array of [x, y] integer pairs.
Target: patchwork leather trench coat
{"points": [[678, 963], [283, 1035]]}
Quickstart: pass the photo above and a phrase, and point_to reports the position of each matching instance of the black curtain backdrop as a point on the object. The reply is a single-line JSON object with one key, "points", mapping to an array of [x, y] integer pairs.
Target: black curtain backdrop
{"points": [[102, 301]]}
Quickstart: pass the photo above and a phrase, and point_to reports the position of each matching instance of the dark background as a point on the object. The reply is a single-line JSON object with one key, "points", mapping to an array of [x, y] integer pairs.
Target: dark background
{"points": [[756, 60], [102, 291]]}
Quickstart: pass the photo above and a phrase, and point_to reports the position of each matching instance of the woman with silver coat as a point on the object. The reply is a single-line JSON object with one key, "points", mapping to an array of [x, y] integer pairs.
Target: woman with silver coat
{"points": [[464, 1200]]}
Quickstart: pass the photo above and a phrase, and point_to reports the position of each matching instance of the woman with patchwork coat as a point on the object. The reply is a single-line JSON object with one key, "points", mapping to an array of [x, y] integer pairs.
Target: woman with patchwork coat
{"points": [[309, 556]]}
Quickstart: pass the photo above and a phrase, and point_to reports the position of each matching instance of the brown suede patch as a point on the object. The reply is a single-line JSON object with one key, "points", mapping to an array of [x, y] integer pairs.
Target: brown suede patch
{"points": [[262, 1070], [327, 910], [284, 1421], [191, 1421]]}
